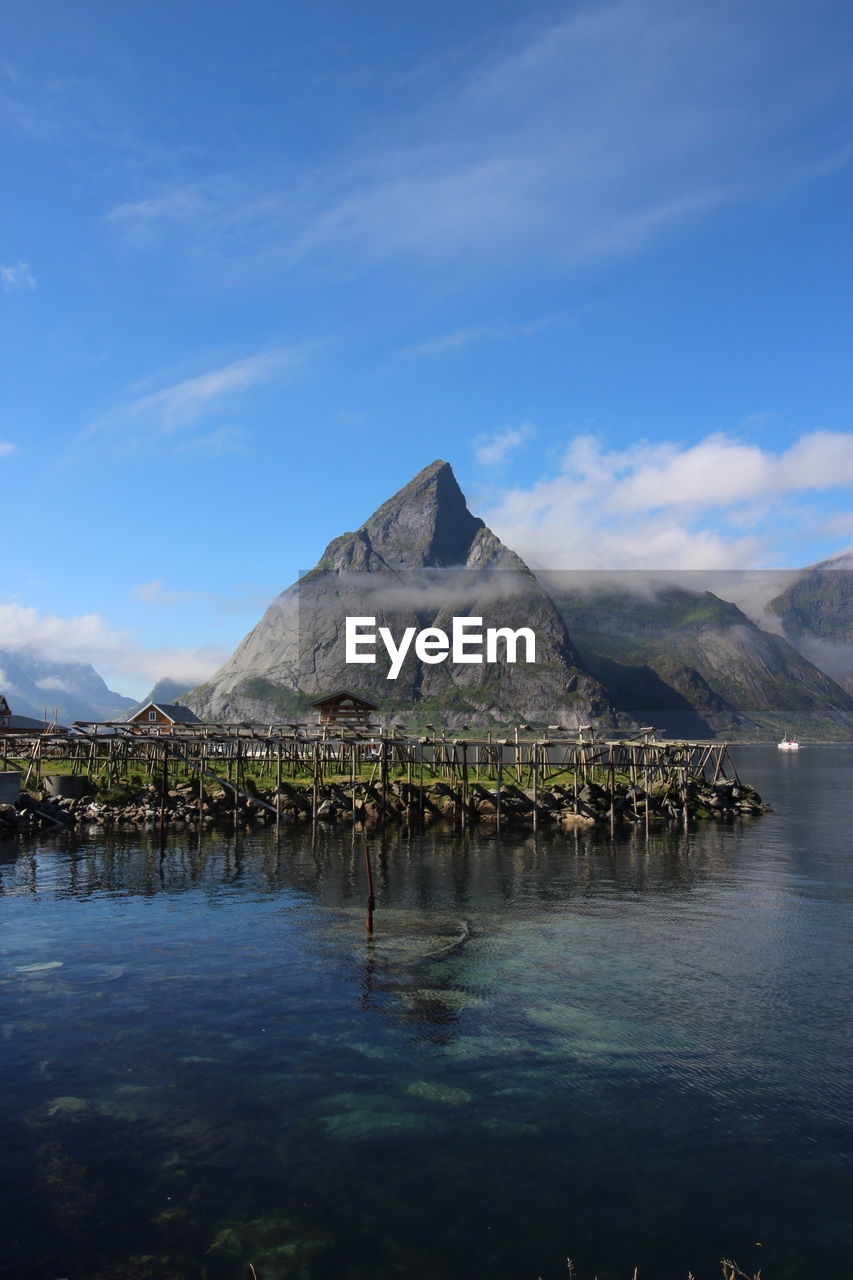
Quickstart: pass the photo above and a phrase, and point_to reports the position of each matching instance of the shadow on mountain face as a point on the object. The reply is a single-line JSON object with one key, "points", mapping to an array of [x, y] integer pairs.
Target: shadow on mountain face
{"points": [[642, 694]]}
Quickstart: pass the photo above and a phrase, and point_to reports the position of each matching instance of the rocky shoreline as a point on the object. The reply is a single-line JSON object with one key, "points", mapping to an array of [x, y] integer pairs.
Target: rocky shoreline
{"points": [[186, 807]]}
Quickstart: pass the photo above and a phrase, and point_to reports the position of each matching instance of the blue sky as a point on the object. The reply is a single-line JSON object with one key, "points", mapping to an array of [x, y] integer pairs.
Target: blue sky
{"points": [[259, 264]]}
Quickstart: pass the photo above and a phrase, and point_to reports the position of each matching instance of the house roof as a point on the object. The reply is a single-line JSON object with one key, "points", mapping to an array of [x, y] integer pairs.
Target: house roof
{"points": [[173, 711], [344, 693], [5, 709], [26, 724]]}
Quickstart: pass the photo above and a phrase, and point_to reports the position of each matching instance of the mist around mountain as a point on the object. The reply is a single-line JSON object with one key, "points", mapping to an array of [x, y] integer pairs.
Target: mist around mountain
{"points": [[815, 613], [35, 685], [419, 560], [694, 664]]}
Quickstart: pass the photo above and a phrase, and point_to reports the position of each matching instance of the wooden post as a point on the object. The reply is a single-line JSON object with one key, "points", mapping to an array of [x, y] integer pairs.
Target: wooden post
{"points": [[278, 788], [500, 781], [464, 785], [383, 784], [535, 785], [236, 784], [353, 749], [371, 902], [164, 783], [200, 782], [421, 785], [612, 784]]}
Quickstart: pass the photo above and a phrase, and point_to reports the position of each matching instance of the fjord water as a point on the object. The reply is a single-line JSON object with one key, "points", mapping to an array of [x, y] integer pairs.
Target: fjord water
{"points": [[625, 1051]]}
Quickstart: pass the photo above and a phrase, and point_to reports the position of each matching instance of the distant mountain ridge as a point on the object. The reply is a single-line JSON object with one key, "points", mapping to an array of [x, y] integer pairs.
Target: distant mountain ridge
{"points": [[696, 665], [165, 692], [35, 684]]}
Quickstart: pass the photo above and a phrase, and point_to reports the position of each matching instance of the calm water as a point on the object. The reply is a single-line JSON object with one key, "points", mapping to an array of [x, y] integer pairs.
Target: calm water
{"points": [[629, 1053]]}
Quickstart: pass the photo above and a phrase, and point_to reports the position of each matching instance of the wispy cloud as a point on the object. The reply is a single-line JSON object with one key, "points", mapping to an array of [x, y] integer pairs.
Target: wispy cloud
{"points": [[459, 339], [247, 597], [584, 139], [492, 450], [6, 448], [216, 443], [17, 278], [157, 593], [719, 503], [175, 408]]}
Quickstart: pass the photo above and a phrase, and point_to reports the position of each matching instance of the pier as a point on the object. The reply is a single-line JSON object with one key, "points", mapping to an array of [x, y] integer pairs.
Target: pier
{"points": [[280, 773]]}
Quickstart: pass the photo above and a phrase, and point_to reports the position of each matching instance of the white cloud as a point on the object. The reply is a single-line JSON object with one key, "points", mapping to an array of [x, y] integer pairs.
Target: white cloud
{"points": [[492, 450], [177, 407], [114, 652], [6, 447], [715, 504], [17, 277]]}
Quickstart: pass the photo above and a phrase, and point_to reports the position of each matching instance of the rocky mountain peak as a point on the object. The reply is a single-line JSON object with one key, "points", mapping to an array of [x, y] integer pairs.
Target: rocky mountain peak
{"points": [[425, 525]]}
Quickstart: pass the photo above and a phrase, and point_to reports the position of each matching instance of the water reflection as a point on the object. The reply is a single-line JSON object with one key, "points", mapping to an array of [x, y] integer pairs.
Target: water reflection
{"points": [[421, 869]]}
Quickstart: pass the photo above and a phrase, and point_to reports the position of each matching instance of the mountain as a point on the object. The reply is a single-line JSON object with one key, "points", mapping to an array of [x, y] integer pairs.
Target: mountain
{"points": [[816, 615], [694, 664], [419, 560], [68, 691], [165, 691]]}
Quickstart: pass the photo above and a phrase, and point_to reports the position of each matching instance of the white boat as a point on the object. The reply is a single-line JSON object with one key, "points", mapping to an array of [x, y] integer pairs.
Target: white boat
{"points": [[789, 744]]}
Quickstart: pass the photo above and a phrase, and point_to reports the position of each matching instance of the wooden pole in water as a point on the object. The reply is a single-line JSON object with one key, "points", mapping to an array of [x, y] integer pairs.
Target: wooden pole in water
{"points": [[236, 784], [383, 777], [464, 785], [278, 789], [535, 785], [612, 785], [421, 784], [500, 780], [371, 901], [352, 777], [200, 782], [164, 782]]}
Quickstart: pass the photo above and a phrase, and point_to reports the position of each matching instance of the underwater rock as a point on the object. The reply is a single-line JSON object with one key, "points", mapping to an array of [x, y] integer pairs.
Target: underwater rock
{"points": [[510, 1128], [450, 998], [63, 1108], [356, 1117], [415, 948], [227, 1243], [432, 1092]]}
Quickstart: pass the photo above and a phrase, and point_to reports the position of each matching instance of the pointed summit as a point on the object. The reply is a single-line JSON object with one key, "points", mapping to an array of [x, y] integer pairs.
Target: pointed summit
{"points": [[426, 525]]}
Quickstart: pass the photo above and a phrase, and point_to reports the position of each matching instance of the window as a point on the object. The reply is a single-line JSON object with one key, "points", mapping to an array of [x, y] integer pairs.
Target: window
{"points": [[152, 715]]}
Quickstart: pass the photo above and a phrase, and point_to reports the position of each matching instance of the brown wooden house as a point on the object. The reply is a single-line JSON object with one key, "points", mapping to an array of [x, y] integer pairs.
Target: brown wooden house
{"points": [[162, 717], [344, 709]]}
